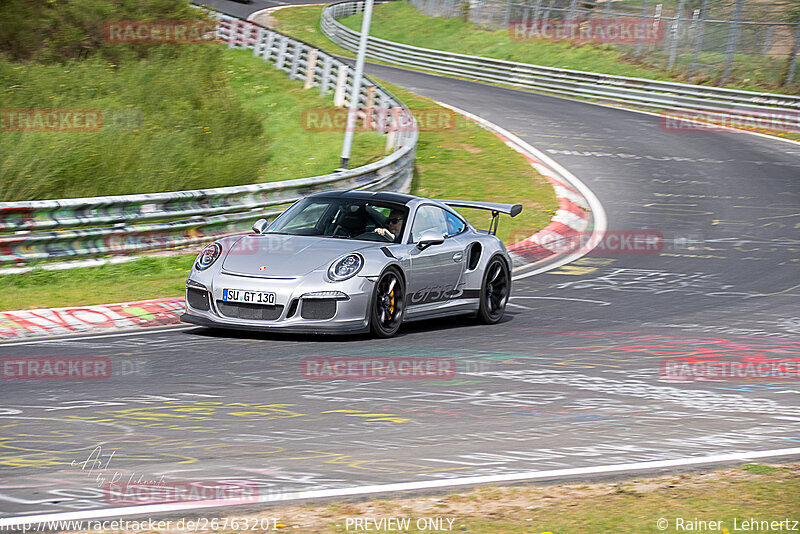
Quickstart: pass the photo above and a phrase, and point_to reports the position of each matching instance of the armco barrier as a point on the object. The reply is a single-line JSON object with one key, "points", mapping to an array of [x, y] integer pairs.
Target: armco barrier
{"points": [[636, 92], [85, 227]]}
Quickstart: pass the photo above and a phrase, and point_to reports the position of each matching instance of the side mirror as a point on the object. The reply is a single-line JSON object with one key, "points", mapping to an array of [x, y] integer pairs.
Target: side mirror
{"points": [[260, 225], [429, 238]]}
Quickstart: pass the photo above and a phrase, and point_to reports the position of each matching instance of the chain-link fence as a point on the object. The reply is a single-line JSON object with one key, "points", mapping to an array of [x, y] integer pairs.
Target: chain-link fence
{"points": [[717, 41]]}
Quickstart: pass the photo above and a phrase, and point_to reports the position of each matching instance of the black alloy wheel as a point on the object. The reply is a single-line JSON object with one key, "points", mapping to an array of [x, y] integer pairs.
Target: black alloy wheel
{"points": [[388, 304], [495, 290]]}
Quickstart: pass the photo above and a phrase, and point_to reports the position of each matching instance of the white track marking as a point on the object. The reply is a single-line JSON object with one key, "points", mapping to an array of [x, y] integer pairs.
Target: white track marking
{"points": [[143, 510], [599, 214], [600, 302]]}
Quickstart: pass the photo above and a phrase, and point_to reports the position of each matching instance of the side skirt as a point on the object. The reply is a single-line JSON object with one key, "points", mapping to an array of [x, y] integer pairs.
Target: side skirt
{"points": [[441, 309]]}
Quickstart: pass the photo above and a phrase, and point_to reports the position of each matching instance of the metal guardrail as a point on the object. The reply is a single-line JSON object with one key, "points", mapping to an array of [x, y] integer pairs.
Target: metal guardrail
{"points": [[720, 40], [87, 227], [639, 92]]}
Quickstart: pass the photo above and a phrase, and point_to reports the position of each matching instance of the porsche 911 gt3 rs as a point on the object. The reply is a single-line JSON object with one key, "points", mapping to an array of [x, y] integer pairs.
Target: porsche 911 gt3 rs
{"points": [[353, 261]]}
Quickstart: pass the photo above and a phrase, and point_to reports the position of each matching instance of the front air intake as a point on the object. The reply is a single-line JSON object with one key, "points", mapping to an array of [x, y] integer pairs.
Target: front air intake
{"points": [[318, 308], [197, 299]]}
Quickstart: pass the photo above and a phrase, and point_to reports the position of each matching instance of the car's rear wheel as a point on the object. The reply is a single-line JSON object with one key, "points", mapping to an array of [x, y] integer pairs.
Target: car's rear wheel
{"points": [[495, 290], [388, 304]]}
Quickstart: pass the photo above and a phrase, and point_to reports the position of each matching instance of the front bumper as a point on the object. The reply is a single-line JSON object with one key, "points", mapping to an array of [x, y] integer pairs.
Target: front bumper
{"points": [[292, 312]]}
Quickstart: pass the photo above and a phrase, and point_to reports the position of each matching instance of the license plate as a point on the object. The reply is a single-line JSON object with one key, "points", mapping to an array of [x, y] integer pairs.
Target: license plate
{"points": [[251, 297]]}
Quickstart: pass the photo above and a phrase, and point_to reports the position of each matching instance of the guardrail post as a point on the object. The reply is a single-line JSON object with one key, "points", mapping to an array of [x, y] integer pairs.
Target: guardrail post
{"points": [[324, 82], [232, 34], [298, 50], [676, 29], [251, 31], [261, 34], [793, 58], [382, 117], [281, 59], [701, 27], [391, 137], [266, 55], [244, 33], [369, 107], [311, 68], [733, 37], [339, 96]]}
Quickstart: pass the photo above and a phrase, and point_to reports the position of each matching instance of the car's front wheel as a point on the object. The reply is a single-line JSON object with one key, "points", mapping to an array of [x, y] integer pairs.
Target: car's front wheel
{"points": [[388, 304], [495, 290]]}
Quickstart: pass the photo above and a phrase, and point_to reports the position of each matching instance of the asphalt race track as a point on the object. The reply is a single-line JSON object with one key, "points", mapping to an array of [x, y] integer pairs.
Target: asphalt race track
{"points": [[571, 379]]}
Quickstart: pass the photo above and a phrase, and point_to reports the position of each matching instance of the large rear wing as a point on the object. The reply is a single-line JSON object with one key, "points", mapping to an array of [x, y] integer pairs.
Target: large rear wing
{"points": [[495, 207]]}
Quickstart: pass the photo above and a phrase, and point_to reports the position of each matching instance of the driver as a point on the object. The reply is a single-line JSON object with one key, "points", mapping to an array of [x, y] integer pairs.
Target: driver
{"points": [[394, 225]]}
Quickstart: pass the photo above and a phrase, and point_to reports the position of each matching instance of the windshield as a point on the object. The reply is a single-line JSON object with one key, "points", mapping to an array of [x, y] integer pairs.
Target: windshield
{"points": [[343, 218]]}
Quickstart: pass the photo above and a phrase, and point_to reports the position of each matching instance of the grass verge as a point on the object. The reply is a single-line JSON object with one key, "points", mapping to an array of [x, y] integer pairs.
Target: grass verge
{"points": [[141, 279], [635, 506], [208, 117]]}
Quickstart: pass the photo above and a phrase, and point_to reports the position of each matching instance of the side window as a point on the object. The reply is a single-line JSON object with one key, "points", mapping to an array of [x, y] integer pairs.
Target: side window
{"points": [[454, 225], [428, 218]]}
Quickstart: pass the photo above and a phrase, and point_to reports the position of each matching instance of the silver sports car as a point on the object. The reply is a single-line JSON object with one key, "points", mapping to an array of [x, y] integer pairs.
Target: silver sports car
{"points": [[353, 261]]}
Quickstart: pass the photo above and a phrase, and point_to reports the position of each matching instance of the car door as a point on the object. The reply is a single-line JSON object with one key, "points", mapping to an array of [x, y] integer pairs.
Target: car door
{"points": [[435, 271]]}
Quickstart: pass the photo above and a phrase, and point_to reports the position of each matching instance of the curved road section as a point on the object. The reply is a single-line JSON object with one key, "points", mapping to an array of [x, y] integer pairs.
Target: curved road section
{"points": [[615, 363]]}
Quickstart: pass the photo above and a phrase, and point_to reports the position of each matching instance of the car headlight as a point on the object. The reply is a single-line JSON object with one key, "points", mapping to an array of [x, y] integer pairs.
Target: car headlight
{"points": [[208, 256], [345, 267]]}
